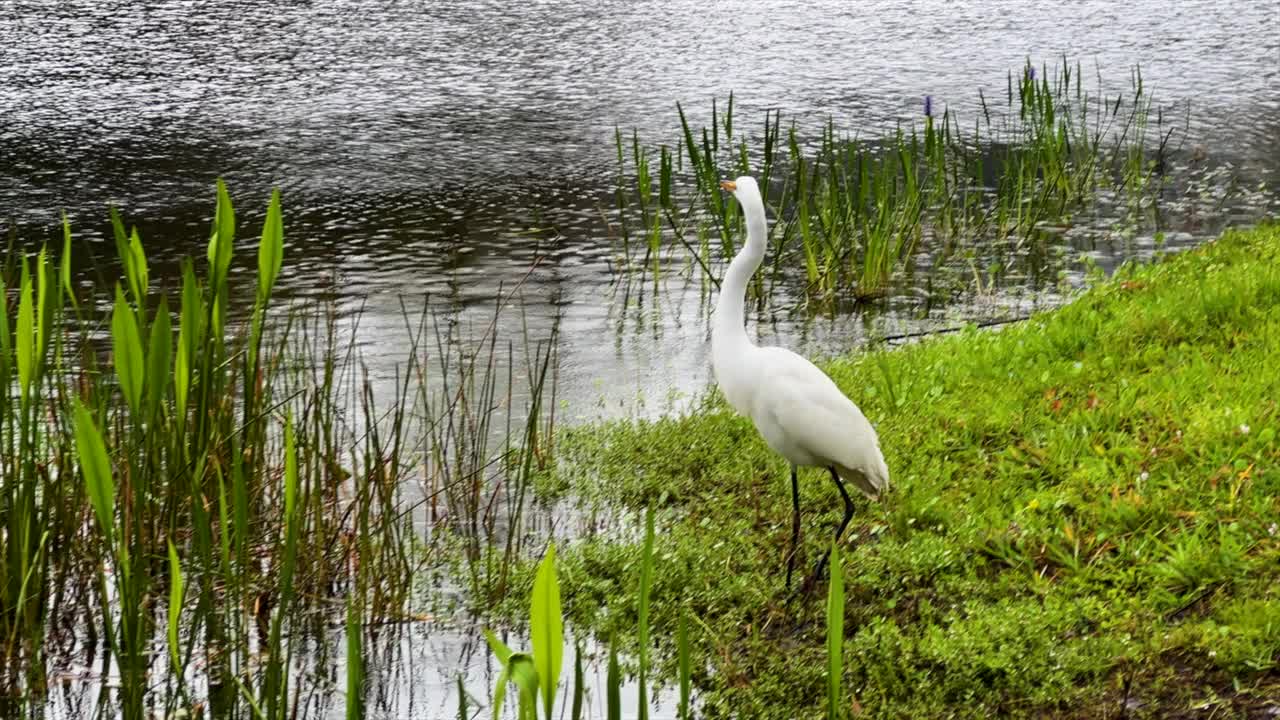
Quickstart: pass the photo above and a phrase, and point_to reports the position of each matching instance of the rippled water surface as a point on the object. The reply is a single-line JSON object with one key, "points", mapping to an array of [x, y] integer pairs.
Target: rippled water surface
{"points": [[421, 145], [436, 147]]}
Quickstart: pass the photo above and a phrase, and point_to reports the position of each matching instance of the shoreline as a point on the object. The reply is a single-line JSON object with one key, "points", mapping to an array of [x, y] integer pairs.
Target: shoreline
{"points": [[1082, 522]]}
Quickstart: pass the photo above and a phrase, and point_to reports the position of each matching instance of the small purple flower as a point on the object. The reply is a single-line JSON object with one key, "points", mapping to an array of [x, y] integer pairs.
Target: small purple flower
{"points": [[928, 106], [1031, 73]]}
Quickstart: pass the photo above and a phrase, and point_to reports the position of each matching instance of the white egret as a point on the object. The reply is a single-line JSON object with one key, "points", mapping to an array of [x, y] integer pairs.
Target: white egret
{"points": [[798, 410]]}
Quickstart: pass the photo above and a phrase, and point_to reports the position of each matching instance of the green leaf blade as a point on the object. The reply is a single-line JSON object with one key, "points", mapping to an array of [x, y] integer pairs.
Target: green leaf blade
{"points": [[127, 350], [835, 635], [176, 591], [25, 332], [271, 249], [96, 469], [158, 354], [547, 628]]}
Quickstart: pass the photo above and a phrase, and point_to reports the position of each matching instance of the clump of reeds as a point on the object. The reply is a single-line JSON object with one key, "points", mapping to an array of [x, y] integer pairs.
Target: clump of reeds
{"points": [[855, 214], [188, 499]]}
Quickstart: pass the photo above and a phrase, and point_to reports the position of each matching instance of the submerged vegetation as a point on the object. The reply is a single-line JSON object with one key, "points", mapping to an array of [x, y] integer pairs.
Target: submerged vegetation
{"points": [[854, 214], [1084, 521]]}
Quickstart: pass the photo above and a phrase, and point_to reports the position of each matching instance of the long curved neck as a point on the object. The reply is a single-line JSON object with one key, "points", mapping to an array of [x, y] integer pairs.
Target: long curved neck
{"points": [[729, 324]]}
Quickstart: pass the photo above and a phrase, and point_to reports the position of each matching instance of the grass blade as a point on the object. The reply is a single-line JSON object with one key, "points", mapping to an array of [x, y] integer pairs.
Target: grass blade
{"points": [[684, 669], [176, 591], [835, 635], [355, 663], [642, 622], [64, 263], [613, 684], [579, 685]]}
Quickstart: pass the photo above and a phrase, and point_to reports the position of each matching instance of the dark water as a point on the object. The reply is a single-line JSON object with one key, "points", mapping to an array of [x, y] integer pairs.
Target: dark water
{"points": [[436, 147]]}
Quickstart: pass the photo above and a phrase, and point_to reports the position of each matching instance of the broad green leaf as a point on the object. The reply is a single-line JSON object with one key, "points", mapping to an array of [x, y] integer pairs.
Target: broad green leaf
{"points": [[503, 653], [158, 358], [835, 635], [192, 315], [175, 608], [117, 232], [25, 335], [193, 310], [41, 318], [64, 262], [6, 337], [96, 468], [499, 648], [519, 669], [547, 628], [221, 238], [135, 264], [181, 374], [524, 674], [126, 347], [500, 691], [271, 249]]}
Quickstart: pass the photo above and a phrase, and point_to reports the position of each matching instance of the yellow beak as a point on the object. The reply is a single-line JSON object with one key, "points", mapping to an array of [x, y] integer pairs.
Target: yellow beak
{"points": [[729, 185]]}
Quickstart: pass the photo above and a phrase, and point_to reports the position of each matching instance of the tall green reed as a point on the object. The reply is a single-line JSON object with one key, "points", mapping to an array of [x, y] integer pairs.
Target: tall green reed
{"points": [[853, 214], [180, 482]]}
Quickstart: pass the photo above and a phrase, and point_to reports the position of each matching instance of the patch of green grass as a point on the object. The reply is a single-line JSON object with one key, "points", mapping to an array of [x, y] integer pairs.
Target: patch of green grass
{"points": [[1083, 517]]}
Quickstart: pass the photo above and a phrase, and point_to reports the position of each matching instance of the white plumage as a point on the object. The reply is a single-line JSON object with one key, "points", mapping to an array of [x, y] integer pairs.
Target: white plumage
{"points": [[798, 410]]}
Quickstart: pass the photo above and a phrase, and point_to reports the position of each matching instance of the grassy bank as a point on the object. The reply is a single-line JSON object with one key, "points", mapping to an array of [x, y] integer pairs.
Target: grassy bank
{"points": [[1083, 524]]}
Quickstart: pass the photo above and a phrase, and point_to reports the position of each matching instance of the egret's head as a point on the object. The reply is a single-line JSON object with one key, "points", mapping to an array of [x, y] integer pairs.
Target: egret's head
{"points": [[744, 188]]}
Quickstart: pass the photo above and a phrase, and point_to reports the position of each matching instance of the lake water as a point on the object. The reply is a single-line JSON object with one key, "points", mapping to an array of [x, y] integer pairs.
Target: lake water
{"points": [[417, 144], [431, 147]]}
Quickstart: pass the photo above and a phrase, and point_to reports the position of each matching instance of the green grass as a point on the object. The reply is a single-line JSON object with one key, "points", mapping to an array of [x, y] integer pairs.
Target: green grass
{"points": [[1083, 521]]}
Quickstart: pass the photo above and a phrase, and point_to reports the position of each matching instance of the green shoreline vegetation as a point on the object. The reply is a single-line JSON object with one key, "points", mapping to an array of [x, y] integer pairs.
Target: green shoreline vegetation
{"points": [[852, 214], [188, 504], [1083, 523]]}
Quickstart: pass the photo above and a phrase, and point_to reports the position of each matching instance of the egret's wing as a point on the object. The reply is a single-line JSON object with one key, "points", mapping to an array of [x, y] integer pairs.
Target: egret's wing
{"points": [[818, 417]]}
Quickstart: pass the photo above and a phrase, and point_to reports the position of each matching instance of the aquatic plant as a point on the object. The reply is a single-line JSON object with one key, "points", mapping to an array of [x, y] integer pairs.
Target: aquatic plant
{"points": [[854, 213], [167, 476]]}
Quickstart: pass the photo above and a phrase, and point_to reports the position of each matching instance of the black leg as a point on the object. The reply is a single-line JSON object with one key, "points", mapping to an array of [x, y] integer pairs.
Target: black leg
{"points": [[848, 515], [795, 524], [848, 504]]}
